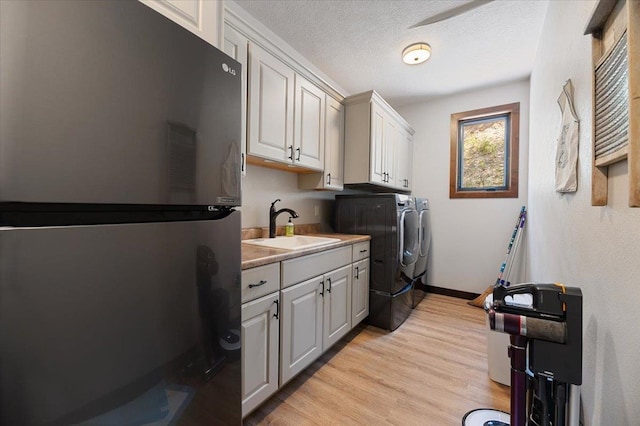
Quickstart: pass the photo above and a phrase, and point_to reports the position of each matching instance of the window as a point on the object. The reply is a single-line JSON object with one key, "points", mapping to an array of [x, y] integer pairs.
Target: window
{"points": [[484, 153]]}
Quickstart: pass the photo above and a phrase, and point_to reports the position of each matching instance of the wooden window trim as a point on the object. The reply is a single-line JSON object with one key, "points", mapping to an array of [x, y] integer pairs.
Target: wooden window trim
{"points": [[513, 110]]}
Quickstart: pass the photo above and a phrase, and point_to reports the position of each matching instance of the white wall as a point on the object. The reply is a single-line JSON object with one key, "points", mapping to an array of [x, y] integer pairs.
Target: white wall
{"points": [[261, 186], [470, 236], [594, 248]]}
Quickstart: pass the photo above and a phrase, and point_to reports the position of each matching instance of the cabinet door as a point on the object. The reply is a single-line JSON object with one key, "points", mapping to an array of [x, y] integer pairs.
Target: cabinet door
{"points": [[201, 17], [404, 160], [360, 293], [271, 90], [408, 149], [236, 45], [390, 135], [377, 145], [260, 330], [309, 119], [334, 145], [301, 322], [337, 306]]}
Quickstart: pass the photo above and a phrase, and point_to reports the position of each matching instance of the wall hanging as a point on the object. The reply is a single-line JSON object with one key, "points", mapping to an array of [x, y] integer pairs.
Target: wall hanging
{"points": [[615, 30], [567, 150]]}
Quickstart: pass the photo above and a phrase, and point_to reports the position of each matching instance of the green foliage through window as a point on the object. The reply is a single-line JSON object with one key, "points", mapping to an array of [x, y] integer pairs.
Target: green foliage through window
{"points": [[484, 147], [484, 152]]}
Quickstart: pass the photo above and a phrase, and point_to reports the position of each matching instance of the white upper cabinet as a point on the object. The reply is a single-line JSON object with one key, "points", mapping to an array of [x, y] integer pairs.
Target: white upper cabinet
{"points": [[289, 101], [201, 17], [236, 45], [309, 119], [377, 156], [271, 96], [376, 147], [334, 145], [286, 115], [332, 178], [390, 136], [404, 163]]}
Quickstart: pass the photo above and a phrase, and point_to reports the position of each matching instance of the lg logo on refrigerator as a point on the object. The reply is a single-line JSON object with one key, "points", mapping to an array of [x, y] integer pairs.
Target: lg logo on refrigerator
{"points": [[227, 68]]}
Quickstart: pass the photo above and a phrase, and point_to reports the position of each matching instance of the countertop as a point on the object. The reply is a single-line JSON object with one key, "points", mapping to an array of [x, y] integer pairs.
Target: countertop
{"points": [[253, 255]]}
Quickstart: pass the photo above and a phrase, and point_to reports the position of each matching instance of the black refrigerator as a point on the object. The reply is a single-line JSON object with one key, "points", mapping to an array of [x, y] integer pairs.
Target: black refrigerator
{"points": [[119, 233]]}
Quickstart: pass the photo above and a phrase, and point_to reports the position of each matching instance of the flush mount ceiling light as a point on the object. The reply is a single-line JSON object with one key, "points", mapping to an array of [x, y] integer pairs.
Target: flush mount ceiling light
{"points": [[416, 53]]}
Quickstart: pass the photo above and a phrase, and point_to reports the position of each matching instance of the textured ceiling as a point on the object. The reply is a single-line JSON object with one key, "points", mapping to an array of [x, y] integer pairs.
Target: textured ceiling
{"points": [[358, 43]]}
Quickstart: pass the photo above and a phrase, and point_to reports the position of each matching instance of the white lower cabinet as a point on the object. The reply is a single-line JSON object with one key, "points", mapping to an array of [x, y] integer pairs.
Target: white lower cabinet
{"points": [[301, 338], [283, 332], [315, 314], [337, 306], [360, 292], [260, 337]]}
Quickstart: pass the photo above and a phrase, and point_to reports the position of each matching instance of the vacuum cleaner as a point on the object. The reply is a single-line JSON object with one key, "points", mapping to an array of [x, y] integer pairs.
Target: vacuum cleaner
{"points": [[544, 322]]}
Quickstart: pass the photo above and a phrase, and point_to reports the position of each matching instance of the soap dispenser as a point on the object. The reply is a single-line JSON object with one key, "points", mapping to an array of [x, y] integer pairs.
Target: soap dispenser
{"points": [[288, 229]]}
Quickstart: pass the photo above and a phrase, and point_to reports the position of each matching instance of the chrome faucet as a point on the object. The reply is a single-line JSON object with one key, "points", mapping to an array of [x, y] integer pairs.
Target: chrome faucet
{"points": [[273, 214]]}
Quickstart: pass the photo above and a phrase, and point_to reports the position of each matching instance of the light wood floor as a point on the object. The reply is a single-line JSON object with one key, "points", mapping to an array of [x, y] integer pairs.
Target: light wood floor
{"points": [[430, 371]]}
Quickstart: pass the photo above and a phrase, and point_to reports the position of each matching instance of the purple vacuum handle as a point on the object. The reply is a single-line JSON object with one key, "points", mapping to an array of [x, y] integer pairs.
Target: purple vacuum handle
{"points": [[518, 355]]}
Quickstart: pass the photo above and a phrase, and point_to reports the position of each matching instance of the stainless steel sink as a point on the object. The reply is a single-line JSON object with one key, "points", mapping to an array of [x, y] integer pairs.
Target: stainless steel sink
{"points": [[297, 242]]}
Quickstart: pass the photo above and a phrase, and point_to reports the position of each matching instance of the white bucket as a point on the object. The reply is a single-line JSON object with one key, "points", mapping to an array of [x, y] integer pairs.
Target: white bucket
{"points": [[497, 353]]}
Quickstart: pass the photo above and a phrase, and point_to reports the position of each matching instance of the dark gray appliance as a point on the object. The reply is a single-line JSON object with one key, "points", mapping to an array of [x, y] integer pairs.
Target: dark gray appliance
{"points": [[424, 244], [392, 222], [119, 174]]}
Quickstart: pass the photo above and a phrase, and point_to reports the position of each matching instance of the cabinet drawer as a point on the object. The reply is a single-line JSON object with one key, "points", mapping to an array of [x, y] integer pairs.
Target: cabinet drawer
{"points": [[360, 251], [303, 268], [256, 282]]}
